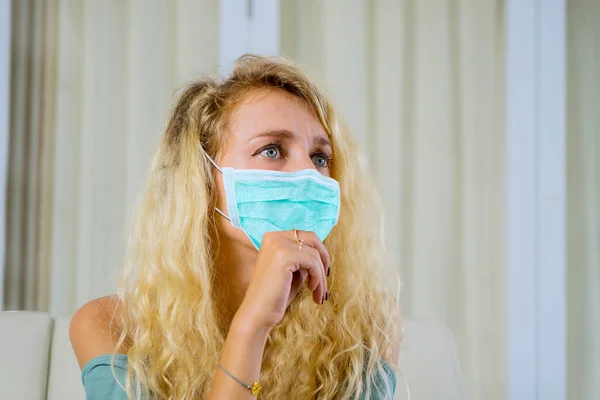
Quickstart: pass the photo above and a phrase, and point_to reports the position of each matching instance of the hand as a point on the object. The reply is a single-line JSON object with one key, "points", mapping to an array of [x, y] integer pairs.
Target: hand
{"points": [[280, 270]]}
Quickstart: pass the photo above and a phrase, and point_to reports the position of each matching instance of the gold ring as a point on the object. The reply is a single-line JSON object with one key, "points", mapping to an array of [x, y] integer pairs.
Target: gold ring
{"points": [[300, 241]]}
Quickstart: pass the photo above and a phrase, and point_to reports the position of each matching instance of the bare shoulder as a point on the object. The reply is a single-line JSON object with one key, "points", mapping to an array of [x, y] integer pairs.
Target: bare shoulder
{"points": [[95, 328]]}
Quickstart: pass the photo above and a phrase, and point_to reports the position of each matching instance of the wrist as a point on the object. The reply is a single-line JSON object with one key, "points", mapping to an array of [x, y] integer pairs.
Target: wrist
{"points": [[245, 323]]}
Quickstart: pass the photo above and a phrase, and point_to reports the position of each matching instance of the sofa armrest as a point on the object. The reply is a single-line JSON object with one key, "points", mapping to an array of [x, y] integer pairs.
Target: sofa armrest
{"points": [[24, 343]]}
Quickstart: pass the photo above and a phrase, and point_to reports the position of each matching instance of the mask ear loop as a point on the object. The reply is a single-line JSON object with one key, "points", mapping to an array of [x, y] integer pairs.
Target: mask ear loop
{"points": [[221, 212], [212, 161], [221, 171]]}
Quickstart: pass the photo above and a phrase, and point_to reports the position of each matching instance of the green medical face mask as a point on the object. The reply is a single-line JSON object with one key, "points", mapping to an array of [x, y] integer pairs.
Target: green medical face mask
{"points": [[261, 201]]}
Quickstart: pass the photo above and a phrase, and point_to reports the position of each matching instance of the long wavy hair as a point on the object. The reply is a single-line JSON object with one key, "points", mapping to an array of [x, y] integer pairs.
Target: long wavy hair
{"points": [[168, 310]]}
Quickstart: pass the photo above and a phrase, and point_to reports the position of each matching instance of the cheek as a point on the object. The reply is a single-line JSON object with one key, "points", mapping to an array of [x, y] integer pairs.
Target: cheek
{"points": [[235, 236], [221, 196]]}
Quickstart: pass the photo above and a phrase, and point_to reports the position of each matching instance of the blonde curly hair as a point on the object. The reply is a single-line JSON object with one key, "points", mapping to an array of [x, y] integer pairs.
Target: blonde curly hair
{"points": [[168, 309]]}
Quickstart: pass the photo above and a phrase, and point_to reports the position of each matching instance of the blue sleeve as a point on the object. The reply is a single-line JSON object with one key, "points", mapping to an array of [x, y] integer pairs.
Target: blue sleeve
{"points": [[391, 375], [100, 384], [98, 380], [379, 383]]}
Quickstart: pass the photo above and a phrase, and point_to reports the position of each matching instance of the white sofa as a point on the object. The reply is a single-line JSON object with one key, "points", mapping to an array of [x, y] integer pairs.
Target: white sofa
{"points": [[37, 361]]}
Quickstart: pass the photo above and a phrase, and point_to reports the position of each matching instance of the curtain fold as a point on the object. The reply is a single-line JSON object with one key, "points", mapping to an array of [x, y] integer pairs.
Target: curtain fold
{"points": [[421, 85], [583, 199], [91, 87], [32, 25]]}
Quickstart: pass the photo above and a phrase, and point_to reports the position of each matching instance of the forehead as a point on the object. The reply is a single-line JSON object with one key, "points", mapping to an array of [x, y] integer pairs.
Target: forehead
{"points": [[273, 109]]}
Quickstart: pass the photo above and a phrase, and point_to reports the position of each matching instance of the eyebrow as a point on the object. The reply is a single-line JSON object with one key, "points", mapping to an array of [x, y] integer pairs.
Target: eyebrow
{"points": [[285, 134]]}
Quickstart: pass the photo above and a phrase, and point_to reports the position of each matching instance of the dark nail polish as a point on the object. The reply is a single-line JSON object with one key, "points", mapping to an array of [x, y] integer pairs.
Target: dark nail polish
{"points": [[326, 294], [322, 299], [328, 270]]}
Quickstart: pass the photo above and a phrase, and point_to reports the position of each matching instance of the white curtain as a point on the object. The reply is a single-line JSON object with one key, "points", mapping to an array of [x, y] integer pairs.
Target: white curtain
{"points": [[421, 84], [92, 85], [583, 199]]}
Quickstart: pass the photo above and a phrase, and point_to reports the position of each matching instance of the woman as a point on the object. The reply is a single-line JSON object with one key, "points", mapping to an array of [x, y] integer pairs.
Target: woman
{"points": [[256, 260]]}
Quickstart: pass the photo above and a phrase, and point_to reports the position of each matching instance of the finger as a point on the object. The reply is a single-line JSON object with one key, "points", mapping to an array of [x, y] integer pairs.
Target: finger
{"points": [[313, 240], [297, 282], [314, 253], [309, 259]]}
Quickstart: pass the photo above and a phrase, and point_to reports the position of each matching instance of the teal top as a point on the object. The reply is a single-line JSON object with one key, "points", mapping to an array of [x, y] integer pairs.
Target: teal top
{"points": [[100, 384]]}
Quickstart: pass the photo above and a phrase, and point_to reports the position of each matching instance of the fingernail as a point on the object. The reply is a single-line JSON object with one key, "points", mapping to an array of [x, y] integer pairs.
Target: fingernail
{"points": [[326, 294], [322, 300], [328, 270]]}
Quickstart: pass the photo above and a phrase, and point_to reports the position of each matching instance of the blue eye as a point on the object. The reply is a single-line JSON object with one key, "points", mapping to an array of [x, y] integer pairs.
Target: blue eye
{"points": [[320, 160], [270, 152]]}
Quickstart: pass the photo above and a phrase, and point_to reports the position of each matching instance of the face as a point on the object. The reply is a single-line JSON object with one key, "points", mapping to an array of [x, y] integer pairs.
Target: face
{"points": [[271, 129]]}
